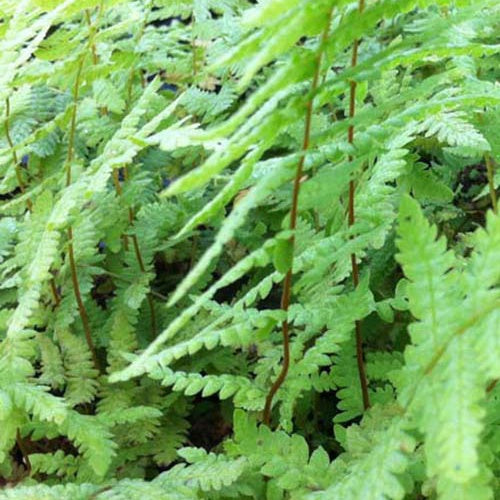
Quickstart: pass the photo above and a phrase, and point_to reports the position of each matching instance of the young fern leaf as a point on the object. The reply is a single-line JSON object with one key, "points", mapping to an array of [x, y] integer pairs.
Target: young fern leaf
{"points": [[140, 365], [152, 154], [374, 473], [263, 188], [287, 284], [351, 219], [451, 320]]}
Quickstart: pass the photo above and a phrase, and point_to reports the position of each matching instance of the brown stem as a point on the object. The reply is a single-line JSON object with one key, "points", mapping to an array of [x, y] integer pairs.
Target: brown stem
{"points": [[118, 189], [351, 220], [69, 158], [121, 278], [151, 305], [287, 283], [15, 159], [194, 249], [55, 294], [81, 306], [491, 181], [132, 71], [24, 452], [98, 492], [137, 249], [138, 254], [130, 85], [76, 91], [140, 261], [71, 139], [95, 59], [193, 46], [22, 187], [490, 172]]}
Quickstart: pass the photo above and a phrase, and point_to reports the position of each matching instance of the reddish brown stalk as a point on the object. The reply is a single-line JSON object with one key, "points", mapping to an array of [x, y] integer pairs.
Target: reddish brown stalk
{"points": [[92, 45], [98, 492], [492, 385], [118, 189], [15, 159], [55, 294], [72, 129], [494, 204], [287, 283], [137, 249], [132, 71], [130, 85], [24, 452], [195, 62], [195, 56], [71, 254], [491, 182], [351, 220], [95, 58], [81, 306], [22, 187], [151, 304], [140, 261]]}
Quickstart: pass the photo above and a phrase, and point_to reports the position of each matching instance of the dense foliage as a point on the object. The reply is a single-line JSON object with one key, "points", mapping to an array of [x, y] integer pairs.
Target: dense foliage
{"points": [[249, 250]]}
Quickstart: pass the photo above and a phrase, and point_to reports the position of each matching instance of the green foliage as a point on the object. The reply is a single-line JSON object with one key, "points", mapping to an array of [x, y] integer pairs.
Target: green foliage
{"points": [[148, 159]]}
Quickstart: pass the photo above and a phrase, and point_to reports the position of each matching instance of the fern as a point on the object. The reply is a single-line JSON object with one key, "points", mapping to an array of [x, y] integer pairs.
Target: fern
{"points": [[249, 249]]}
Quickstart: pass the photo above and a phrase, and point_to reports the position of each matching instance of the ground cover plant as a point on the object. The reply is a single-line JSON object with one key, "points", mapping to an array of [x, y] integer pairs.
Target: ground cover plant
{"points": [[249, 249]]}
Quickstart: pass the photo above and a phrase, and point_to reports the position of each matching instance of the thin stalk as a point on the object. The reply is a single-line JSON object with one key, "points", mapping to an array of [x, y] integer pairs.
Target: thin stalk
{"points": [[118, 189], [55, 294], [22, 186], [193, 47], [149, 297], [69, 158], [98, 492], [95, 58], [351, 220], [24, 452], [490, 171], [81, 306], [132, 71], [492, 385], [137, 249], [140, 261], [76, 91], [287, 283], [72, 129], [121, 278], [92, 45], [15, 159], [194, 249], [130, 85]]}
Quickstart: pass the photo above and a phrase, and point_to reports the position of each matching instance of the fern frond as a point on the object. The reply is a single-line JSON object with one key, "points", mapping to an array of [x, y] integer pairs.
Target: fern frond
{"points": [[443, 349], [373, 470]]}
